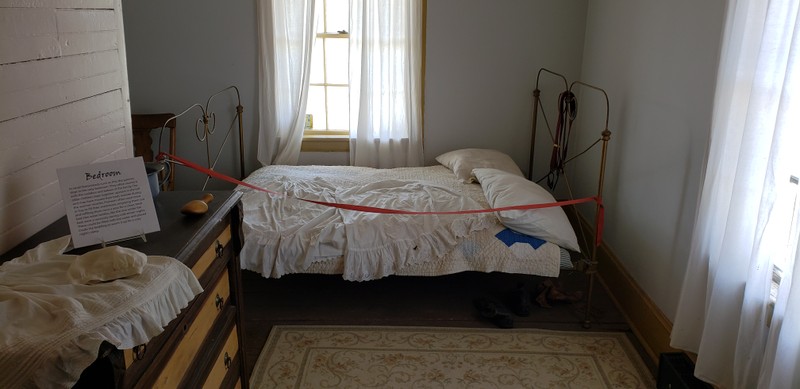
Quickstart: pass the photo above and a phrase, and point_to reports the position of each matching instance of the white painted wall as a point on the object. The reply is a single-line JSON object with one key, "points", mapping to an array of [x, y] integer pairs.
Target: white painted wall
{"points": [[482, 60], [63, 102], [658, 62]]}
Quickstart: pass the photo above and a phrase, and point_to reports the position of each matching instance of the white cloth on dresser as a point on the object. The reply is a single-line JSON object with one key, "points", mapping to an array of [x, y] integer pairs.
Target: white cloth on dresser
{"points": [[52, 325]]}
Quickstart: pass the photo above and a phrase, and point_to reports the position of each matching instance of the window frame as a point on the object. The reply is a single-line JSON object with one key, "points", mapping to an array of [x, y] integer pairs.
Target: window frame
{"points": [[327, 133], [339, 141]]}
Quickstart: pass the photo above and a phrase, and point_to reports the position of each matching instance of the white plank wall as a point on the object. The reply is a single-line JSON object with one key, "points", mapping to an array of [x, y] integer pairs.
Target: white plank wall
{"points": [[64, 101]]}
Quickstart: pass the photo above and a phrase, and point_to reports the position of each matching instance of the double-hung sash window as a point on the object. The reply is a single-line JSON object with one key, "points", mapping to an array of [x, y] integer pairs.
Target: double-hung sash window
{"points": [[328, 109], [346, 75]]}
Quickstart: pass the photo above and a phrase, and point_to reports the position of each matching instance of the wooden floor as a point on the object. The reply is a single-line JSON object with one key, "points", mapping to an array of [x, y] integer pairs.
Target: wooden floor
{"points": [[445, 301]]}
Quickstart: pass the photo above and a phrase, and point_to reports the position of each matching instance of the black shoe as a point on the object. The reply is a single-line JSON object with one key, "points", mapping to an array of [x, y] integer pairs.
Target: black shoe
{"points": [[520, 301], [495, 312]]}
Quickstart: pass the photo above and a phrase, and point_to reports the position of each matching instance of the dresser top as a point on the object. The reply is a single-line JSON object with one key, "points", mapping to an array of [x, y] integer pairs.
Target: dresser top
{"points": [[178, 233]]}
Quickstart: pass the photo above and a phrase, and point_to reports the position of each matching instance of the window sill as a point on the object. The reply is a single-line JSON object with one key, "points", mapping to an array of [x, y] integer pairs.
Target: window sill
{"points": [[325, 144]]}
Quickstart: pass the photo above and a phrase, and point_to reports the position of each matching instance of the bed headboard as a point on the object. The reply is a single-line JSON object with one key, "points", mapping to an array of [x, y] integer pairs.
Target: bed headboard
{"points": [[206, 126], [568, 109]]}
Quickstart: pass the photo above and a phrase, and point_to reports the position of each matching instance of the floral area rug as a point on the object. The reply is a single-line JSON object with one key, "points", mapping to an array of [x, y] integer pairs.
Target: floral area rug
{"points": [[429, 357]]}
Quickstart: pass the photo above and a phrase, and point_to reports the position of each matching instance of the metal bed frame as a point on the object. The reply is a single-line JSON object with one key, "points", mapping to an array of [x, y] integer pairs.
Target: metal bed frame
{"points": [[590, 267]]}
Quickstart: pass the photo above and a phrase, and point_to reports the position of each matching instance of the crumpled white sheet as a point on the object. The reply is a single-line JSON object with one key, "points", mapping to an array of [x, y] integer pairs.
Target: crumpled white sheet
{"points": [[51, 327], [295, 234], [313, 247]]}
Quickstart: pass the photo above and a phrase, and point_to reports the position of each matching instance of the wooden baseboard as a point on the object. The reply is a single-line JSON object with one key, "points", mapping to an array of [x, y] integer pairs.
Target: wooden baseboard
{"points": [[648, 323]]}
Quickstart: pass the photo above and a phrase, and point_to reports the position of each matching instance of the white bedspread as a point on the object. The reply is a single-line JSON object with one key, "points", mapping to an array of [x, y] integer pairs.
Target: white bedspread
{"points": [[283, 235], [51, 328]]}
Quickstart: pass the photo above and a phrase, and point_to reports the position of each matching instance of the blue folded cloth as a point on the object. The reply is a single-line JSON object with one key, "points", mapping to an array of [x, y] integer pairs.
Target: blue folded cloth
{"points": [[509, 237]]}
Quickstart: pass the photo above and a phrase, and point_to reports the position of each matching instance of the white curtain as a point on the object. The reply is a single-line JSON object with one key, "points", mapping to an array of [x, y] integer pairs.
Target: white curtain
{"points": [[286, 36], [385, 83], [747, 215]]}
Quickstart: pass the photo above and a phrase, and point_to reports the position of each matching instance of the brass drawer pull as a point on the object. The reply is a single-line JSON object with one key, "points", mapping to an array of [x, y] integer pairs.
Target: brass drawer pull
{"points": [[219, 301], [227, 361], [138, 352], [219, 249]]}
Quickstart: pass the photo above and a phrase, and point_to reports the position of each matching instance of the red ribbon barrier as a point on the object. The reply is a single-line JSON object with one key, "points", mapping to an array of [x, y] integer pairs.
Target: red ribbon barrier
{"points": [[364, 208]]}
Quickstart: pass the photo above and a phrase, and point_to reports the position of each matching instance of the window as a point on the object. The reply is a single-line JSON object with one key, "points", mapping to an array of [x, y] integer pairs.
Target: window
{"points": [[327, 112], [746, 229], [784, 236], [390, 42]]}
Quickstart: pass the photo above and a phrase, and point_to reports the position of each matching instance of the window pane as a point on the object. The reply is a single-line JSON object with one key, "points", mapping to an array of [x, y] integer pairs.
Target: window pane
{"points": [[336, 51], [338, 15], [338, 108], [317, 66], [316, 106]]}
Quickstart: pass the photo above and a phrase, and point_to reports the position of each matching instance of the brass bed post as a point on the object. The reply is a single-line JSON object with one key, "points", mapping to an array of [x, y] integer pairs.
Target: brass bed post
{"points": [[239, 110], [536, 103], [536, 93], [592, 268], [606, 136]]}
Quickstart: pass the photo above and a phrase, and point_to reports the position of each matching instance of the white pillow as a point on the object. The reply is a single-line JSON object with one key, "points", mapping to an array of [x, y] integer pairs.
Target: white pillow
{"points": [[462, 161], [550, 224]]}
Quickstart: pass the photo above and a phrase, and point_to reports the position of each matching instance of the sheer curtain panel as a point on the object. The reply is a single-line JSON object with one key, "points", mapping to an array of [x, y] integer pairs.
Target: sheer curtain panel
{"points": [[286, 36], [386, 83], [739, 308]]}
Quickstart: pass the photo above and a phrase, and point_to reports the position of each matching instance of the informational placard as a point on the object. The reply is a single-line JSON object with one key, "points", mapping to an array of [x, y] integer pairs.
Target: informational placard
{"points": [[107, 201]]}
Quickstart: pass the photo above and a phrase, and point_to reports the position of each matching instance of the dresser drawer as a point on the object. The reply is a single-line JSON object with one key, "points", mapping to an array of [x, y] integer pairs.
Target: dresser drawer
{"points": [[214, 252], [223, 361], [194, 334]]}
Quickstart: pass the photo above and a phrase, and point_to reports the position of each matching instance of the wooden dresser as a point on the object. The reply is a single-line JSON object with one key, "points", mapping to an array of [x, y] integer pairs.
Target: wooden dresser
{"points": [[203, 346]]}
